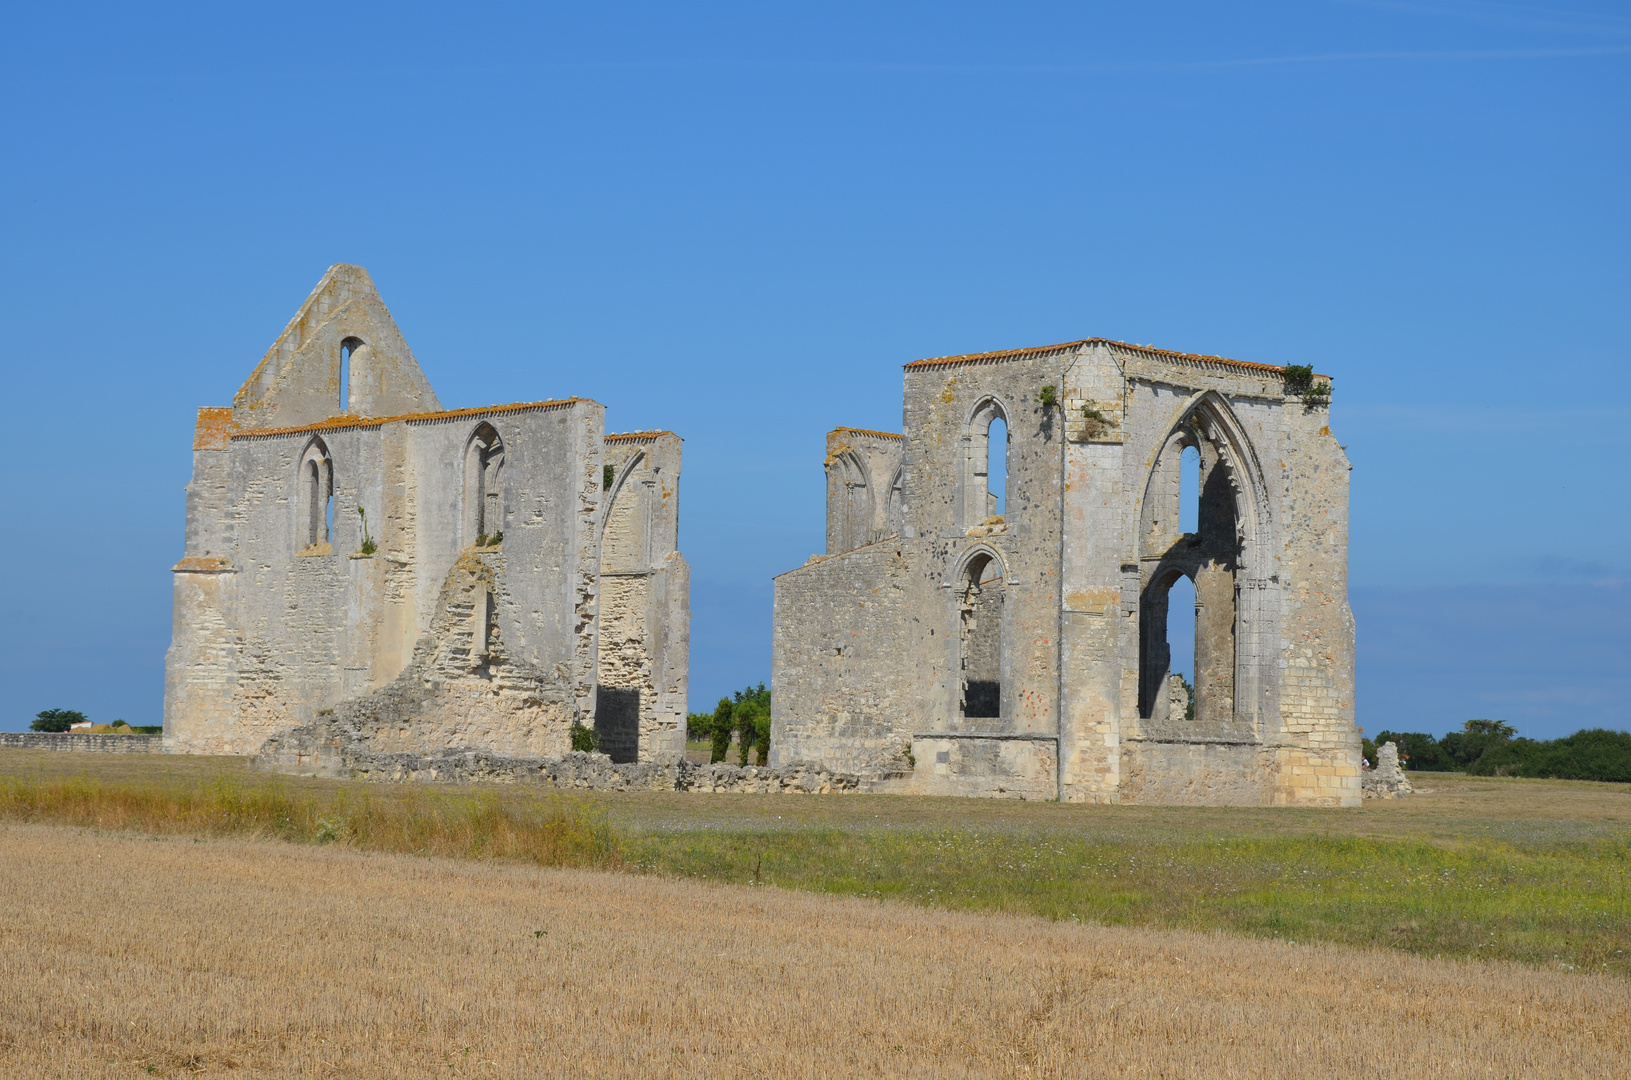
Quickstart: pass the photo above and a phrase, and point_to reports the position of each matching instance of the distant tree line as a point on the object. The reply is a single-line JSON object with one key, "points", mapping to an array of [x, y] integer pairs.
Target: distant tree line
{"points": [[745, 714], [1493, 748]]}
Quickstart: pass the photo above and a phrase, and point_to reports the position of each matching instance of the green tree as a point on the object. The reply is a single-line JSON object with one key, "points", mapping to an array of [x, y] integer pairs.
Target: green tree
{"points": [[1417, 751], [750, 716], [720, 733], [1594, 754], [1475, 738], [56, 720]]}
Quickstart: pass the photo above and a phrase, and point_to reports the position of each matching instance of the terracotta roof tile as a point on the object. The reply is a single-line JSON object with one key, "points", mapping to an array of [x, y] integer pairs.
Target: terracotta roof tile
{"points": [[622, 435], [1148, 350], [338, 422], [866, 431]]}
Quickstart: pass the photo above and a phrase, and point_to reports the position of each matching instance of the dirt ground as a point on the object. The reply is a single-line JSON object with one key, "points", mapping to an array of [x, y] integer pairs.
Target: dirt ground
{"points": [[127, 956]]}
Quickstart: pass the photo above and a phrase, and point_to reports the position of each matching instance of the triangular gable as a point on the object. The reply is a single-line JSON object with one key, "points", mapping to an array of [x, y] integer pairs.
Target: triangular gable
{"points": [[298, 381]]}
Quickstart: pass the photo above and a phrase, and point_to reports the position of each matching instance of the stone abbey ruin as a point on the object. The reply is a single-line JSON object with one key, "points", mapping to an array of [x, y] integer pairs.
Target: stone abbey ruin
{"points": [[943, 648], [367, 573], [375, 586]]}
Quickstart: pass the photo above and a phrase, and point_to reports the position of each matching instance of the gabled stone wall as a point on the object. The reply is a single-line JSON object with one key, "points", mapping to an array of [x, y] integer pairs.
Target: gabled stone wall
{"points": [[290, 603]]}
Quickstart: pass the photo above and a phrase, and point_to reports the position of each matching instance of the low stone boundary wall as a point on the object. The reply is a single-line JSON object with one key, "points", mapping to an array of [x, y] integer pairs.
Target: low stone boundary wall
{"points": [[586, 772], [100, 744]]}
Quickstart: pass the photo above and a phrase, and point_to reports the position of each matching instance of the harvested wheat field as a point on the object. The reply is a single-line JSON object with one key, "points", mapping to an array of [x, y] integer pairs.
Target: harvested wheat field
{"points": [[126, 956]]}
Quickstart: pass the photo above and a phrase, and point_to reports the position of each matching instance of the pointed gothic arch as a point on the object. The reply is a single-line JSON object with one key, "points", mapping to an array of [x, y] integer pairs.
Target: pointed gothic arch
{"points": [[482, 519], [979, 591], [977, 501], [895, 509], [857, 501], [314, 485], [1227, 557]]}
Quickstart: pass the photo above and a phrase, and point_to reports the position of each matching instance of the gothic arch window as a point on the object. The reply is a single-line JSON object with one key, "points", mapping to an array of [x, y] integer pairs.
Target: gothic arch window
{"points": [[985, 462], [484, 487], [1170, 615], [980, 596], [857, 503], [314, 504], [348, 352], [1206, 527], [895, 512]]}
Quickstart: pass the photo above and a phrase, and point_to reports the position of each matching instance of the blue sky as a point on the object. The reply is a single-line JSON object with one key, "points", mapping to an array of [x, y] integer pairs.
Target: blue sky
{"points": [[738, 221]]}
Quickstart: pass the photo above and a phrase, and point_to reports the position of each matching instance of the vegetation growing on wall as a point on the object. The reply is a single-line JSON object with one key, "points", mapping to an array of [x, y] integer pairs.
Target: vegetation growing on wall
{"points": [[368, 545], [1299, 380], [585, 740]]}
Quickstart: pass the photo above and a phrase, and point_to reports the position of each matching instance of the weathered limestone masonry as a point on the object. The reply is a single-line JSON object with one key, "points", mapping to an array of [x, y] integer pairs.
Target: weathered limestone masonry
{"points": [[82, 741], [351, 760], [1387, 780], [938, 648], [363, 564]]}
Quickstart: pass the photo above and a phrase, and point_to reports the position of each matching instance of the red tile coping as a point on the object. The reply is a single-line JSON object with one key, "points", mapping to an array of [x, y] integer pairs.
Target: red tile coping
{"points": [[1148, 350], [335, 422], [868, 431]]}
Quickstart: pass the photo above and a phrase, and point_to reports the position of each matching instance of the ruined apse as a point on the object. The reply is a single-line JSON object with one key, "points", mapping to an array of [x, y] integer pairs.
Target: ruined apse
{"points": [[362, 563], [969, 635]]}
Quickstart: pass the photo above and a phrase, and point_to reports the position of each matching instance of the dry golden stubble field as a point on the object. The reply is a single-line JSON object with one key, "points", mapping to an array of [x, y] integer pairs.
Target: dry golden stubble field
{"points": [[1530, 870], [129, 956]]}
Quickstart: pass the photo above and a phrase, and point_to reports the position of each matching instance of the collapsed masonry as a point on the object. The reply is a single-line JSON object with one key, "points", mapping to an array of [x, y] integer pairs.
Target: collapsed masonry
{"points": [[365, 567], [1387, 780], [941, 647]]}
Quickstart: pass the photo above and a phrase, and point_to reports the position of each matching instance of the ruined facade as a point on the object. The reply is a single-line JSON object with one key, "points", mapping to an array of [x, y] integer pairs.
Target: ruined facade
{"points": [[942, 647], [363, 564]]}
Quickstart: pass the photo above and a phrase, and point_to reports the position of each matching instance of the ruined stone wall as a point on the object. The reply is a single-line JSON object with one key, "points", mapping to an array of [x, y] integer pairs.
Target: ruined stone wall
{"points": [[948, 408], [643, 620], [329, 541], [82, 742], [465, 688], [1239, 749], [1089, 545], [850, 683], [268, 631], [574, 771], [1320, 744]]}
